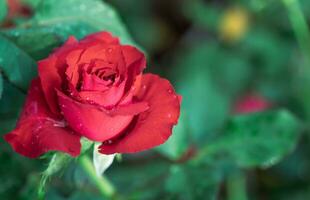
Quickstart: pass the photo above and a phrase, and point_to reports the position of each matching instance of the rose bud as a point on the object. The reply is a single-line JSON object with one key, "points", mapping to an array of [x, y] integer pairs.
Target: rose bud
{"points": [[95, 88], [251, 103]]}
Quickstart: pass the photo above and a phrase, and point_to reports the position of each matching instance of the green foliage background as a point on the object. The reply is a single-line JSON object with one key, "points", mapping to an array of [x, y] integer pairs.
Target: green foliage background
{"points": [[213, 153]]}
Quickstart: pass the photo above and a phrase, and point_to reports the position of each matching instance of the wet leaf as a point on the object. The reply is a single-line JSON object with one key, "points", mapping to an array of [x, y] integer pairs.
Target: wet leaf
{"points": [[15, 64], [256, 140], [66, 18]]}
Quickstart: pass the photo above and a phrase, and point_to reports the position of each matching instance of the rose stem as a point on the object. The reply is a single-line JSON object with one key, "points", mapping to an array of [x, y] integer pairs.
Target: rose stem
{"points": [[103, 184], [236, 186], [299, 25]]}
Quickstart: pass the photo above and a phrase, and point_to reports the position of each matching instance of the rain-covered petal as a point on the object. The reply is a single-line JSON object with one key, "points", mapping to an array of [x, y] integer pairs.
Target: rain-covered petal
{"points": [[38, 131], [152, 127]]}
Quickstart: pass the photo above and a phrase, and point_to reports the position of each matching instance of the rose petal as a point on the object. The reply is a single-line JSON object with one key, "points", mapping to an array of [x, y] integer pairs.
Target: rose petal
{"points": [[73, 71], [154, 126], [93, 83], [131, 109], [107, 98], [52, 73], [133, 55], [135, 63], [91, 122], [104, 37], [38, 132]]}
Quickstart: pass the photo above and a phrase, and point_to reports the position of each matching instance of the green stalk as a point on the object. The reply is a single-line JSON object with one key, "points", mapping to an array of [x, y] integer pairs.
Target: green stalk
{"points": [[236, 186], [103, 184], [299, 25]]}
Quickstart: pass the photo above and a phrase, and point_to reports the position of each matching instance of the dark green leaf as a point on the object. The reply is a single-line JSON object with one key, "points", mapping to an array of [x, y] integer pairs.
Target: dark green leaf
{"points": [[15, 64], [73, 17], [37, 42], [206, 106], [10, 106], [139, 179], [256, 140]]}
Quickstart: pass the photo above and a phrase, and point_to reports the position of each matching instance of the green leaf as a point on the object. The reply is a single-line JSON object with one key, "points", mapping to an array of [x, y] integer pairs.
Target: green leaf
{"points": [[36, 42], [198, 88], [148, 173], [3, 9], [256, 140], [79, 18], [15, 64], [10, 106]]}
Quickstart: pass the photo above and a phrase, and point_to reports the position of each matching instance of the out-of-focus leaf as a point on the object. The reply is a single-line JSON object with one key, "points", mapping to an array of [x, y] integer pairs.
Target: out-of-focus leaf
{"points": [[79, 18], [36, 42], [256, 140], [15, 64], [206, 106], [202, 14], [101, 162], [83, 195], [139, 179], [10, 106], [179, 141], [271, 56], [3, 9], [190, 183], [1, 85]]}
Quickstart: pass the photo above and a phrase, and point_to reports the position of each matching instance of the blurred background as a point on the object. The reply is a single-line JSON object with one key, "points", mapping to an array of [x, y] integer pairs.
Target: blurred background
{"points": [[243, 69]]}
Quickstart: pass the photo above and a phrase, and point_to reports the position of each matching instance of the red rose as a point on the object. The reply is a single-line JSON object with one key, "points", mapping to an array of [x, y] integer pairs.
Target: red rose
{"points": [[95, 88]]}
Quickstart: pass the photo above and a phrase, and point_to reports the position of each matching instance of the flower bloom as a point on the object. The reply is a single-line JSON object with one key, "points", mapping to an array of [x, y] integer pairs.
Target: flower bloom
{"points": [[95, 88]]}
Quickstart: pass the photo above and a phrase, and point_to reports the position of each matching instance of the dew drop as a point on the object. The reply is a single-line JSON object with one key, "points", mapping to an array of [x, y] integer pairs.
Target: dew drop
{"points": [[169, 115], [144, 87], [170, 91]]}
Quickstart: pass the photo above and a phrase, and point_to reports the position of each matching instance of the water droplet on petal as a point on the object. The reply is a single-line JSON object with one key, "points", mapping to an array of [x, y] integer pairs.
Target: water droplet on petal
{"points": [[169, 91], [169, 115]]}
